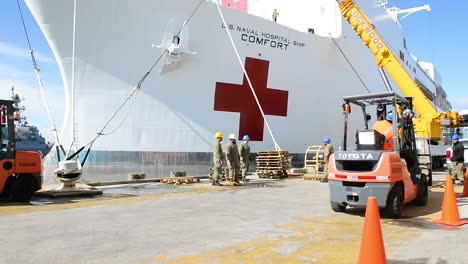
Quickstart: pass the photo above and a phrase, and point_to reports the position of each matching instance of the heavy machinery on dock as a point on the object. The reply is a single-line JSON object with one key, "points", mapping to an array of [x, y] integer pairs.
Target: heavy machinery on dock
{"points": [[393, 176], [21, 172], [428, 122]]}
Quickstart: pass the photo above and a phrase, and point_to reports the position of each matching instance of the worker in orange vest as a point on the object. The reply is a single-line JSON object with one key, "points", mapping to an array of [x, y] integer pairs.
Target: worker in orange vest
{"points": [[385, 127]]}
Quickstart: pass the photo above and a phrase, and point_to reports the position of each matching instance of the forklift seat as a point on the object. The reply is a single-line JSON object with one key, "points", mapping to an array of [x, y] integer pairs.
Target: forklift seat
{"points": [[369, 139]]}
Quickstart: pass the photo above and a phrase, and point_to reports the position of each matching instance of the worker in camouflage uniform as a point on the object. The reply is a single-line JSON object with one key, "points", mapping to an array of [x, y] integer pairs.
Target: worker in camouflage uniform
{"points": [[232, 156], [328, 150], [217, 159], [244, 151], [457, 159]]}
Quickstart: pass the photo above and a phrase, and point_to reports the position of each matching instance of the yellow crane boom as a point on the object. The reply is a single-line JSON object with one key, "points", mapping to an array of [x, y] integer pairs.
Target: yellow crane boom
{"points": [[428, 123]]}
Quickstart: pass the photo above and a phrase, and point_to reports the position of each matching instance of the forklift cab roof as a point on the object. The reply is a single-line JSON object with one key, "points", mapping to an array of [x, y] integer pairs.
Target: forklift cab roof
{"points": [[386, 98], [387, 102]]}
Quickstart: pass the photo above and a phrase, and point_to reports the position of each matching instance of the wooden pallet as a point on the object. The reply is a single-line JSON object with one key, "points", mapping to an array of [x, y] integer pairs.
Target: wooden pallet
{"points": [[314, 177], [266, 163], [274, 152], [267, 168], [271, 171], [283, 166], [275, 163], [272, 157], [179, 180], [281, 176], [266, 156], [272, 164], [272, 174]]}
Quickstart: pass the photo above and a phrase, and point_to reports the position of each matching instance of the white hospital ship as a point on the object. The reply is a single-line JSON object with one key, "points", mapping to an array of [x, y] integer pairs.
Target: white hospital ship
{"points": [[300, 68]]}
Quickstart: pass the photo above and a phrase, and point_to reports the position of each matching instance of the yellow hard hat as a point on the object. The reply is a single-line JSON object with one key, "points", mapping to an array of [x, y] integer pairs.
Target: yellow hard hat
{"points": [[218, 135]]}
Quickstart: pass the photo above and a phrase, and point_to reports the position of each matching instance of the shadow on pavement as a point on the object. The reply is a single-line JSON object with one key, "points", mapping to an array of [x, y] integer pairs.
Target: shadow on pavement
{"points": [[40, 201], [416, 216], [434, 205], [410, 210]]}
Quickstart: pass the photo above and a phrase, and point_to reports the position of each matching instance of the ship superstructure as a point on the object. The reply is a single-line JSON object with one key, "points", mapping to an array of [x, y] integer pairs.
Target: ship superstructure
{"points": [[28, 137]]}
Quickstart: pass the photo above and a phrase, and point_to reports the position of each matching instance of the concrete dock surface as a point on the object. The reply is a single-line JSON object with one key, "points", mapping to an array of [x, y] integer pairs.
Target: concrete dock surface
{"points": [[265, 221]]}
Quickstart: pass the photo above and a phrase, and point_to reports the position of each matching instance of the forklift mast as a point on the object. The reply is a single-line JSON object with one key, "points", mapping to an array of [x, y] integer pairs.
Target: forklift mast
{"points": [[8, 120]]}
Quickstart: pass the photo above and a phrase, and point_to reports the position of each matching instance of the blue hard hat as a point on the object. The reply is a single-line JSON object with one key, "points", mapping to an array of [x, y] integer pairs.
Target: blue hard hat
{"points": [[455, 137], [327, 140], [389, 117], [246, 137]]}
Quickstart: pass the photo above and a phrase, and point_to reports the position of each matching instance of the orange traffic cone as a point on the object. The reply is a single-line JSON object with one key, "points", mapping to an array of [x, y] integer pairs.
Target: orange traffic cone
{"points": [[465, 187], [450, 215], [372, 246]]}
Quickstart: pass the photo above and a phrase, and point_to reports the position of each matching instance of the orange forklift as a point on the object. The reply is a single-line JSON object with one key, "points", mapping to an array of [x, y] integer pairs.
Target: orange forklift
{"points": [[393, 176], [20, 171]]}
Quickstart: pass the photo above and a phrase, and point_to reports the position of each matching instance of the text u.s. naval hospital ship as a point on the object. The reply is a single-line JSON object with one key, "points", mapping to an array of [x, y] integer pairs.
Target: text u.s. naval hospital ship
{"points": [[300, 68]]}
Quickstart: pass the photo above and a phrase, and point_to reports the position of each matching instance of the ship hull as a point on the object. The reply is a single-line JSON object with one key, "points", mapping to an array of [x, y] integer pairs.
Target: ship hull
{"points": [[300, 79]]}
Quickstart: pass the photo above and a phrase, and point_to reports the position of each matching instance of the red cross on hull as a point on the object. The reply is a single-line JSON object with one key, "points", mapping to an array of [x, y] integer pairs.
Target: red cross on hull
{"points": [[239, 98]]}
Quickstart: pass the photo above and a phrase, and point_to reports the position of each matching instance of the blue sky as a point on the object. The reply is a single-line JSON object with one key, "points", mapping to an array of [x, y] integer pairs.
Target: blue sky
{"points": [[438, 36], [16, 67]]}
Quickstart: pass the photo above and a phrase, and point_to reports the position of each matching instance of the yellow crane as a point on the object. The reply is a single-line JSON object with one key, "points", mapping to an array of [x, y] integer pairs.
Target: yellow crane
{"points": [[429, 122]]}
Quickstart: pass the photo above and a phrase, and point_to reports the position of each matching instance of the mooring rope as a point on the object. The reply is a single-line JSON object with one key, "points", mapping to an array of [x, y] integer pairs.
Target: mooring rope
{"points": [[39, 82], [73, 105]]}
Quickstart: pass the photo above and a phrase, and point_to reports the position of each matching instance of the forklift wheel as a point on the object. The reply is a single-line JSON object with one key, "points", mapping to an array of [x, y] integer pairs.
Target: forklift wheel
{"points": [[21, 188], [423, 192], [336, 207], [394, 203], [429, 178]]}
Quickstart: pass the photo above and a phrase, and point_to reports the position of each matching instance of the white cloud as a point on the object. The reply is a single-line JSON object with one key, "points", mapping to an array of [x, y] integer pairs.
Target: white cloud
{"points": [[12, 72], [35, 109], [459, 103], [10, 50]]}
